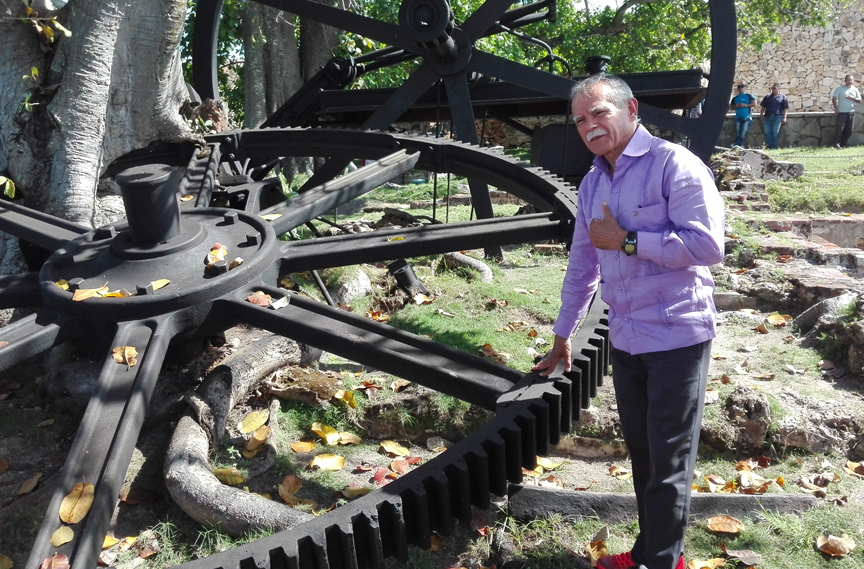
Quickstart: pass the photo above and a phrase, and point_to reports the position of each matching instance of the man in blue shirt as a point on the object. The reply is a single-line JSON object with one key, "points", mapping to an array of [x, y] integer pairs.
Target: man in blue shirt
{"points": [[742, 103], [773, 110]]}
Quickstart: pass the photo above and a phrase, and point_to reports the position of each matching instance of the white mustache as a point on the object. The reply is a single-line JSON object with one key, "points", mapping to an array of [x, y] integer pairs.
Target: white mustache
{"points": [[595, 133]]}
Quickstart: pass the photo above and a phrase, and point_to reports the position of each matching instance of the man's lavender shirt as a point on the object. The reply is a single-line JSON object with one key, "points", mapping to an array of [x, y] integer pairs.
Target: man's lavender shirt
{"points": [[662, 298]]}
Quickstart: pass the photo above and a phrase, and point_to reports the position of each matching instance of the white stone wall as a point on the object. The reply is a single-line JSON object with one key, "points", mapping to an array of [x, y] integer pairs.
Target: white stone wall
{"points": [[808, 63]]}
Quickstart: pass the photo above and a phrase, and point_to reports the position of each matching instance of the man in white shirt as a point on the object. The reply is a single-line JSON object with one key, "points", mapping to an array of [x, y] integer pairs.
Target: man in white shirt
{"points": [[843, 100]]}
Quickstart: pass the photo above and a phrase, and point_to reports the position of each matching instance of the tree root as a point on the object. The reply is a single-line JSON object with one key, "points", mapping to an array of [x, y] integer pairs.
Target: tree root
{"points": [[459, 260], [188, 475]]}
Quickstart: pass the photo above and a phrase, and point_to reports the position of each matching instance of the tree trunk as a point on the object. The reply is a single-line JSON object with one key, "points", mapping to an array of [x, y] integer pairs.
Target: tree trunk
{"points": [[317, 42], [272, 67]]}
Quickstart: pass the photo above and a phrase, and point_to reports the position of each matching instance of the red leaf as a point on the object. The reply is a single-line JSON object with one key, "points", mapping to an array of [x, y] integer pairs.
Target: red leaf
{"points": [[380, 476], [413, 459]]}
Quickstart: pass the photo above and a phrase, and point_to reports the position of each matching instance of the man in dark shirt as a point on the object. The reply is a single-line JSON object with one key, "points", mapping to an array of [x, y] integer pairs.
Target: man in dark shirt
{"points": [[773, 110]]}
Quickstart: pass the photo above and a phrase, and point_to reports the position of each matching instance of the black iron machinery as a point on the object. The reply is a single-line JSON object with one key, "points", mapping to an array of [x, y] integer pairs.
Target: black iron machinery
{"points": [[163, 238]]}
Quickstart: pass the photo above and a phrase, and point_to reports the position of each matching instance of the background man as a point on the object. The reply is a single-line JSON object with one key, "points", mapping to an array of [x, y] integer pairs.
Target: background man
{"points": [[742, 103], [648, 224], [773, 109], [843, 100]]}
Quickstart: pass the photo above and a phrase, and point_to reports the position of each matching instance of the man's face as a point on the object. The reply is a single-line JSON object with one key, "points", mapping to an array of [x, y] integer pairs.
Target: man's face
{"points": [[849, 81], [775, 89], [740, 90], [604, 128]]}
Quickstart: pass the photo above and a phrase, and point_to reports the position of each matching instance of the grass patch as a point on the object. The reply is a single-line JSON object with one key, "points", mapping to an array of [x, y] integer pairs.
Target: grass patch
{"points": [[832, 181]]}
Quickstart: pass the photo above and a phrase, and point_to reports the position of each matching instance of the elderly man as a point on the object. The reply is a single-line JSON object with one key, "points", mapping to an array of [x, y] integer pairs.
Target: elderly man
{"points": [[843, 100], [649, 222]]}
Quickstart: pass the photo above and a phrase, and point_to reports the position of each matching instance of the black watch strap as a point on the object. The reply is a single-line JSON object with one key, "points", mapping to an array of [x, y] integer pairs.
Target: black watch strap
{"points": [[629, 244]]}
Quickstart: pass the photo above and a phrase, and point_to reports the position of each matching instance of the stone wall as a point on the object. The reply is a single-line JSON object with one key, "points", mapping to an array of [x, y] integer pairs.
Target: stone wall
{"points": [[808, 63]]}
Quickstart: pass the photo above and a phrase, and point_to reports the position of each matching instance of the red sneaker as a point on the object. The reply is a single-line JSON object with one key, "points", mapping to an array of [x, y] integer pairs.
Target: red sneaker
{"points": [[620, 561], [624, 561]]}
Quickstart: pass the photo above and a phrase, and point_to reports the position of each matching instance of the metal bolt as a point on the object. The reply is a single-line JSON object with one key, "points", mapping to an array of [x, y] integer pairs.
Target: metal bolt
{"points": [[253, 238], [75, 284], [66, 260], [144, 289], [230, 217], [219, 267], [105, 233]]}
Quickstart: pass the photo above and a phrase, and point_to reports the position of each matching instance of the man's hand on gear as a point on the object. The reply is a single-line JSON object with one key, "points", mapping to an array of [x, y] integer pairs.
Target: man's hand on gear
{"points": [[560, 351], [606, 233]]}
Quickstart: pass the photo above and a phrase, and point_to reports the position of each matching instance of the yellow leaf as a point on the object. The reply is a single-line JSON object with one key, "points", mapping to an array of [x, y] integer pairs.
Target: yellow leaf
{"points": [[109, 541], [49, 33], [77, 503], [347, 397], [303, 446], [328, 462], [271, 216], [230, 476], [392, 447], [420, 299], [290, 485], [714, 563], [347, 438], [28, 485], [725, 524], [217, 253], [85, 293], [5, 562], [761, 329], [253, 421], [620, 473], [62, 284], [548, 464], [595, 550], [835, 546], [395, 239], [329, 434], [187, 197], [775, 319], [128, 542], [258, 437], [157, 284], [352, 492], [64, 534], [125, 355]]}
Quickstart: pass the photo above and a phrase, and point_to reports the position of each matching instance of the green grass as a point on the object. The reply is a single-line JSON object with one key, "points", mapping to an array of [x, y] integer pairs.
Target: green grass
{"points": [[832, 181]]}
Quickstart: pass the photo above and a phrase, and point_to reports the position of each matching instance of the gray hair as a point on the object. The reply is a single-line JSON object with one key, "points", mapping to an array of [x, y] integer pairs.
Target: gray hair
{"points": [[619, 92]]}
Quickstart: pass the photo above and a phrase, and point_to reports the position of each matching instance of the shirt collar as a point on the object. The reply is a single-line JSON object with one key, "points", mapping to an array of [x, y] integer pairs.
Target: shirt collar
{"points": [[640, 143]]}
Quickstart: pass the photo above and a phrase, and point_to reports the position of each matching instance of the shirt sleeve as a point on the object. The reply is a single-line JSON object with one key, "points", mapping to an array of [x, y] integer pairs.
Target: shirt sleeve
{"points": [[581, 279], [696, 219], [764, 100]]}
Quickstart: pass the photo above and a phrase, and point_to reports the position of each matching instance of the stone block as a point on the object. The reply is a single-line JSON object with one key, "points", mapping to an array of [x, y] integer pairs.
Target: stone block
{"points": [[730, 301]]}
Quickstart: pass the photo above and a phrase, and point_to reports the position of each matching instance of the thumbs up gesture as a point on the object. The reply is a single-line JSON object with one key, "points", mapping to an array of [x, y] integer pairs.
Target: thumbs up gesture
{"points": [[606, 233]]}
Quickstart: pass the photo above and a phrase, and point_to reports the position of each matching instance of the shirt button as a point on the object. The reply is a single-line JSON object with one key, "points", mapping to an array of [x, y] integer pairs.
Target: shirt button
{"points": [[619, 289], [614, 256], [644, 226], [626, 320], [614, 191]]}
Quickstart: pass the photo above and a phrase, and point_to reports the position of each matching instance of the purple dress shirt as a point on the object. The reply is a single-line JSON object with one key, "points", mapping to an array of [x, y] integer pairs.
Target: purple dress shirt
{"points": [[662, 298]]}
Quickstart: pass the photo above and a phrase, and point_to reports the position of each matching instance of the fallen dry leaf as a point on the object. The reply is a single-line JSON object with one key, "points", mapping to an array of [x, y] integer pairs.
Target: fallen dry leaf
{"points": [[595, 550], [303, 446], [230, 476], [347, 397], [187, 198], [109, 541], [64, 534], [46, 423], [55, 562], [725, 524], [329, 434], [270, 216], [399, 466], [28, 485], [253, 421], [160, 283], [548, 464], [394, 448], [328, 462], [290, 485], [5, 562], [377, 315], [620, 473], [259, 298], [762, 329], [85, 293], [420, 299], [835, 546], [399, 385], [77, 503], [217, 253], [856, 469], [346, 438], [62, 284], [382, 476], [707, 564], [126, 355], [352, 492]]}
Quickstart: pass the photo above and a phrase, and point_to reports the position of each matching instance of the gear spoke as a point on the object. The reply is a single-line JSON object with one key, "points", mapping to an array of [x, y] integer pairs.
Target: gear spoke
{"points": [[321, 199], [39, 228], [380, 346], [19, 290], [478, 23], [31, 336], [313, 254], [116, 408]]}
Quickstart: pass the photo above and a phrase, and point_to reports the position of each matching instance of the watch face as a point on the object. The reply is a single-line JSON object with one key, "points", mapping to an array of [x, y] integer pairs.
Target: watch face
{"points": [[629, 248]]}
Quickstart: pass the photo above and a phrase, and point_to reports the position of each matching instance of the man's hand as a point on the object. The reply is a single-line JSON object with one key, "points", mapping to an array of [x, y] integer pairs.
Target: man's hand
{"points": [[606, 233], [560, 351]]}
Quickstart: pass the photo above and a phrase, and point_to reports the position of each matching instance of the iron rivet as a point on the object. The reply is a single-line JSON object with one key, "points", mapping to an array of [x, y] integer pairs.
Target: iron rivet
{"points": [[144, 289], [220, 267], [105, 233], [230, 217], [75, 284], [253, 238]]}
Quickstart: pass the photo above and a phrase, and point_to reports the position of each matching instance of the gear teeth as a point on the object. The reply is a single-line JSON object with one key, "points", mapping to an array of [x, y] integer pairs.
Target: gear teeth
{"points": [[368, 548], [393, 531], [496, 454], [417, 516], [460, 489], [440, 510]]}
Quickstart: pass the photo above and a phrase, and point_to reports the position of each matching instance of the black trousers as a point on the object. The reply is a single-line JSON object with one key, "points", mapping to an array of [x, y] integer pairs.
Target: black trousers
{"points": [[660, 401], [843, 128]]}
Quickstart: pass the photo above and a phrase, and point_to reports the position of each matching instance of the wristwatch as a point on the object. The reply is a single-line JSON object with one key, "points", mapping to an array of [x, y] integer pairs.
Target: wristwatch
{"points": [[629, 245]]}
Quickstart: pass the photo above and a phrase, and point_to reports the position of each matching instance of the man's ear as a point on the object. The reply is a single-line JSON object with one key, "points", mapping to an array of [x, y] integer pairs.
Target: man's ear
{"points": [[633, 109]]}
